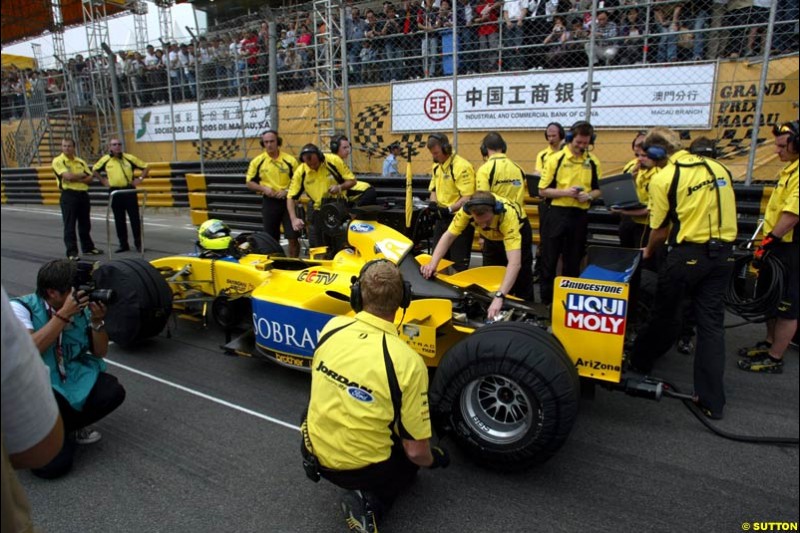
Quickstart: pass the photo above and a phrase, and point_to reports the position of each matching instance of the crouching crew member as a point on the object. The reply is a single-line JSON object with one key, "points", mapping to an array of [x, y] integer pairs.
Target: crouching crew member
{"points": [[499, 222], [691, 202], [781, 240], [371, 436]]}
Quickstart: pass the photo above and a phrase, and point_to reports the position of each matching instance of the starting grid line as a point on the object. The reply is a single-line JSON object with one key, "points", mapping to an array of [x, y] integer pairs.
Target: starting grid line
{"points": [[205, 396]]}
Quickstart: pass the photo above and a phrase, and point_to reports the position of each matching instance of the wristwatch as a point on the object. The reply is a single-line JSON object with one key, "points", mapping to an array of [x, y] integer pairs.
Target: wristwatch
{"points": [[499, 294], [99, 326]]}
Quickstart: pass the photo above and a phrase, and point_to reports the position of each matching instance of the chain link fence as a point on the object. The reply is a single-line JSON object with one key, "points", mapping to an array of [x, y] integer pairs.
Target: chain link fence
{"points": [[412, 68]]}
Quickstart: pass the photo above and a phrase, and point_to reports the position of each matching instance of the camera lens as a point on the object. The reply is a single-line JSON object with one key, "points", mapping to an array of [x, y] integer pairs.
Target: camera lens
{"points": [[106, 296]]}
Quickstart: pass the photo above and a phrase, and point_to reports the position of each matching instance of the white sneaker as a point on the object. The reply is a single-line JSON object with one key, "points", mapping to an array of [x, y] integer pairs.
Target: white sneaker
{"points": [[87, 435]]}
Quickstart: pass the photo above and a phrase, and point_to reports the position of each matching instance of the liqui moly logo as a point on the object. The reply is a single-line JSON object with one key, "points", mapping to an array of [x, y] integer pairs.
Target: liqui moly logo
{"points": [[596, 313]]}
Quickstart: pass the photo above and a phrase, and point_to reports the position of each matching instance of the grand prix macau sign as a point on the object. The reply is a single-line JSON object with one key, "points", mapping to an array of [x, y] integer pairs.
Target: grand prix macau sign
{"points": [[589, 319]]}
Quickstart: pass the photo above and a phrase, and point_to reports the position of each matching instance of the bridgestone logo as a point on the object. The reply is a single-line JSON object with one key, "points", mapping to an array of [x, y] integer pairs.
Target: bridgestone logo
{"points": [[611, 289]]}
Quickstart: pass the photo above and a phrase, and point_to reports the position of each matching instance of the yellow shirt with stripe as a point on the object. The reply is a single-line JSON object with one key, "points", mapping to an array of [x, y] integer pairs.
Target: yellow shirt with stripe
{"points": [[564, 170], [350, 415], [642, 181], [784, 198], [273, 173], [691, 193], [501, 176], [505, 226], [315, 183], [63, 164], [452, 179], [119, 170], [541, 159]]}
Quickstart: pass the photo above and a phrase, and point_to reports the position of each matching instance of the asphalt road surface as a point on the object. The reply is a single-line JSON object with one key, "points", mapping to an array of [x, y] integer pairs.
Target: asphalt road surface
{"points": [[209, 443]]}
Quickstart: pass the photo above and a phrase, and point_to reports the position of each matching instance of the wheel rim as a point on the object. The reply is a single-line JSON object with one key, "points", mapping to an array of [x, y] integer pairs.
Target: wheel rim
{"points": [[498, 409]]}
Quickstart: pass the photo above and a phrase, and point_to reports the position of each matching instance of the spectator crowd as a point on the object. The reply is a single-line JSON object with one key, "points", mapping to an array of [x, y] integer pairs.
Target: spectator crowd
{"points": [[413, 40]]}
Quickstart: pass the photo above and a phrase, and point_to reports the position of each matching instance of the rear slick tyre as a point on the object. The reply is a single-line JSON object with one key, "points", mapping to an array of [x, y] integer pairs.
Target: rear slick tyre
{"points": [[142, 301], [508, 393]]}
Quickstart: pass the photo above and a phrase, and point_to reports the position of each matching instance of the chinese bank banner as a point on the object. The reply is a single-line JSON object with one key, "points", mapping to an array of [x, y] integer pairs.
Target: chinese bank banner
{"points": [[674, 96], [222, 119]]}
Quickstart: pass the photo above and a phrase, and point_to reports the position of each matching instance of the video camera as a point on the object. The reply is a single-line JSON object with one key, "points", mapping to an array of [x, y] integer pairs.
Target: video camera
{"points": [[83, 282]]}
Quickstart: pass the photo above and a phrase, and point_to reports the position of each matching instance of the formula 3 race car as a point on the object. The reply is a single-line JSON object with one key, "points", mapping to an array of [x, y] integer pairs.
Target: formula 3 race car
{"points": [[507, 390]]}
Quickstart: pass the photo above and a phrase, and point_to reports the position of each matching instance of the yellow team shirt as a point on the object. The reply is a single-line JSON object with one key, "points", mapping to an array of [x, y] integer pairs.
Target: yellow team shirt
{"points": [[315, 183], [784, 198], [541, 159], [501, 176], [62, 164], [684, 194], [273, 173], [350, 414], [451, 180], [642, 181], [119, 170], [564, 170], [505, 226]]}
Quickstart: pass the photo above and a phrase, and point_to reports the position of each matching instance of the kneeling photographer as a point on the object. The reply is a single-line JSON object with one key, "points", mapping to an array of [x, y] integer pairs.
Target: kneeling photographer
{"points": [[66, 318]]}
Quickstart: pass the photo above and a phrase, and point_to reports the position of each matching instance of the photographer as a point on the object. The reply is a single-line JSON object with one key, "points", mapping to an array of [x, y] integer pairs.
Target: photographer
{"points": [[69, 331], [372, 436]]}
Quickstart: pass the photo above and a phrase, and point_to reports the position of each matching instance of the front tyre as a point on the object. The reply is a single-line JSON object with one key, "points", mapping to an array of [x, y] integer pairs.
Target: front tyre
{"points": [[508, 393]]}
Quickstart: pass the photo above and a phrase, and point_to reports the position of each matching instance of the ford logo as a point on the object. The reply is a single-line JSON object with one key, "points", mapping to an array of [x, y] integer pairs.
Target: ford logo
{"points": [[721, 182], [362, 228], [360, 394]]}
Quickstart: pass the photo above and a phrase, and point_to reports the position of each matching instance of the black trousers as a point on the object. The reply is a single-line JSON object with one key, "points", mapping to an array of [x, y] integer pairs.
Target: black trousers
{"points": [[106, 395], [274, 213], [76, 210], [318, 237], [384, 480], [461, 249], [494, 254], [689, 272], [122, 204], [565, 236]]}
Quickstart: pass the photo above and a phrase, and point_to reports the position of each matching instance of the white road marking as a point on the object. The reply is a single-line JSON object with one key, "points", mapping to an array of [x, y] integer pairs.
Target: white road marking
{"points": [[189, 227], [205, 396]]}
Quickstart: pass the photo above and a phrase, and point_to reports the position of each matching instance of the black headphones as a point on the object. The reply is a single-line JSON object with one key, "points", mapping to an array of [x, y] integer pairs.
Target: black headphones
{"points": [[655, 152], [496, 205], [573, 130], [793, 129], [311, 149], [336, 142], [356, 299], [502, 144], [561, 133], [441, 138], [261, 138]]}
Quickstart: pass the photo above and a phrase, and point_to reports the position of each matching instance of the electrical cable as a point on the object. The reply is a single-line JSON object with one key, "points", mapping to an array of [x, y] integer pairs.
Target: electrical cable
{"points": [[755, 309], [673, 392]]}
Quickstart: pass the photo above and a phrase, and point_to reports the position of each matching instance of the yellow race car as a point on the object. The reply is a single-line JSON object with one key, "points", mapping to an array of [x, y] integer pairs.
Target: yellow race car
{"points": [[508, 390]]}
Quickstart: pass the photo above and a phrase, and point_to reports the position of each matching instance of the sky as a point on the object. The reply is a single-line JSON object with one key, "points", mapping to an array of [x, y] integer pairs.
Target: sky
{"points": [[120, 31]]}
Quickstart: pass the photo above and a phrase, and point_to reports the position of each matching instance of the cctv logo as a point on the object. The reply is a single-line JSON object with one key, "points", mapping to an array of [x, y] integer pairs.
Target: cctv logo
{"points": [[593, 313]]}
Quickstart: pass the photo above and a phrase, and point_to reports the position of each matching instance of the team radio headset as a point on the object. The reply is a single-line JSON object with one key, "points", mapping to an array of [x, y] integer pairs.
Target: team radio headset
{"points": [[497, 208], [659, 153]]}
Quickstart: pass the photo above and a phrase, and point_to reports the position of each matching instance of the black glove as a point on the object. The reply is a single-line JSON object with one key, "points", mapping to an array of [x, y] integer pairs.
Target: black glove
{"points": [[441, 459], [433, 207], [768, 243]]}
